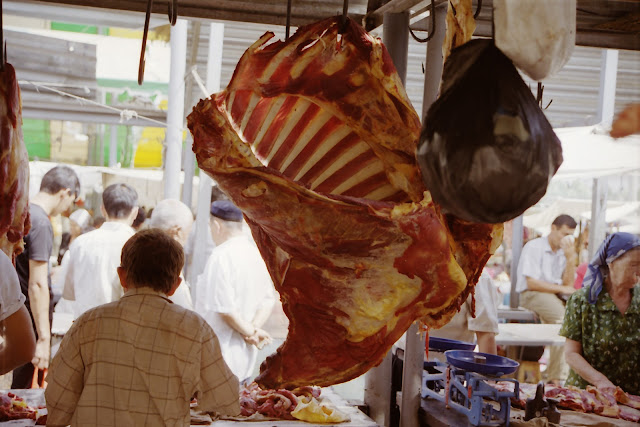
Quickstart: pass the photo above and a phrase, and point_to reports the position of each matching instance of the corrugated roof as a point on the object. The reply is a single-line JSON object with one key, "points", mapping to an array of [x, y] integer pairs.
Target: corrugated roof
{"points": [[574, 90]]}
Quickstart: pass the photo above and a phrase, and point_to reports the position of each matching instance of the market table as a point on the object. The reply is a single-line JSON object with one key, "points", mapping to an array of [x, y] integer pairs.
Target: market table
{"points": [[35, 397], [529, 334], [433, 413]]}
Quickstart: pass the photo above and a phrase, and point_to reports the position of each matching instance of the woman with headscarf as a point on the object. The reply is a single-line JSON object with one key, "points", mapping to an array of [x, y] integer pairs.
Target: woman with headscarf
{"points": [[602, 320]]}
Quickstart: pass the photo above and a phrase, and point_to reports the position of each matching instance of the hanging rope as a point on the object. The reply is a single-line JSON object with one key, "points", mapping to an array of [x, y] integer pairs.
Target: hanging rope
{"points": [[173, 18], [432, 14], [145, 33]]}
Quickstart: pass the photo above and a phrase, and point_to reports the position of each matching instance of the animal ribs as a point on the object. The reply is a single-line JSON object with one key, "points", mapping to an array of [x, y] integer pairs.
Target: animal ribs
{"points": [[314, 139]]}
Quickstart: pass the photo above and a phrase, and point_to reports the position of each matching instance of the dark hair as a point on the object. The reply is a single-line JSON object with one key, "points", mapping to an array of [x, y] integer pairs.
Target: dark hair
{"points": [[564, 220], [119, 200], [98, 221], [139, 218], [153, 259], [60, 178]]}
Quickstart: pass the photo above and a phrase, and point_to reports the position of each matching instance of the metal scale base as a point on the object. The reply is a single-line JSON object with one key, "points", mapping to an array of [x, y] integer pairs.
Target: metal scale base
{"points": [[464, 391]]}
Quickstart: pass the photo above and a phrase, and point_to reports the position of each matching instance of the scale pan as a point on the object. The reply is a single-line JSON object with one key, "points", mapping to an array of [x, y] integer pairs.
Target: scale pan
{"points": [[494, 365], [444, 344]]}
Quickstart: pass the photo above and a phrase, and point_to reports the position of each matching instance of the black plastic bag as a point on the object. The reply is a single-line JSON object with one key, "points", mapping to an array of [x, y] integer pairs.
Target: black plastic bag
{"points": [[487, 152]]}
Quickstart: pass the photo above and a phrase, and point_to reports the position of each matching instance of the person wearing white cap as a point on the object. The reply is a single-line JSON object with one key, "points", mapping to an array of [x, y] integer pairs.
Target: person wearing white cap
{"points": [[235, 294], [176, 219]]}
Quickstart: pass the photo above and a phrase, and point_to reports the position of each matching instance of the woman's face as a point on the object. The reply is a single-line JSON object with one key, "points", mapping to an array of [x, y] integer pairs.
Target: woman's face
{"points": [[625, 271]]}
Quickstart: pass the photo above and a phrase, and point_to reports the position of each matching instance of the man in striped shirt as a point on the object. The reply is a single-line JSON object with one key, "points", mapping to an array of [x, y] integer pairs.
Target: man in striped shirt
{"points": [[139, 360]]}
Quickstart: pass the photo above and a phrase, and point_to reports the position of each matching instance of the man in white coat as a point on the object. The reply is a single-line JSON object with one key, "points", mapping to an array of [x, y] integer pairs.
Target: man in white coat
{"points": [[235, 294], [91, 278]]}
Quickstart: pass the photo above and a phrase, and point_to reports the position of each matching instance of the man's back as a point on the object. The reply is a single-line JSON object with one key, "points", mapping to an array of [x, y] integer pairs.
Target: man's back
{"points": [[140, 359], [93, 258]]}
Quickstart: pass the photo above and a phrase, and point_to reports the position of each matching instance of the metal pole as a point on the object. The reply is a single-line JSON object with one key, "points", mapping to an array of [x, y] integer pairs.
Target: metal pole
{"points": [[377, 396], [214, 71], [113, 146], [395, 36], [175, 114], [188, 156], [516, 250], [598, 226], [607, 92], [415, 340], [189, 170]]}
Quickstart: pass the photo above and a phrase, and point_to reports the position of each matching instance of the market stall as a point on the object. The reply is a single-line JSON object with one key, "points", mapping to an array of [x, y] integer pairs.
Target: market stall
{"points": [[363, 198]]}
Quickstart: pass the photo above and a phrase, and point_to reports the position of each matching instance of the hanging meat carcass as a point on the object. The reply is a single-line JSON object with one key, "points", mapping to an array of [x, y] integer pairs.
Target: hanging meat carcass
{"points": [[314, 139], [14, 167]]}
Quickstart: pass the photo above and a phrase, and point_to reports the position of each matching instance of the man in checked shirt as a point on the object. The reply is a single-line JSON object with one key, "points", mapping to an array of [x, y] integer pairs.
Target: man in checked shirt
{"points": [[138, 361]]}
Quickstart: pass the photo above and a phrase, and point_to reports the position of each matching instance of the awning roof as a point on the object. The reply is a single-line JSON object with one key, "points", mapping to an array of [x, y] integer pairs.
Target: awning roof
{"points": [[600, 23], [590, 151]]}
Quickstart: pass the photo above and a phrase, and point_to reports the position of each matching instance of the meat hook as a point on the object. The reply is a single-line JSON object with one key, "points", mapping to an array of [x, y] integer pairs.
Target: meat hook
{"points": [[478, 9], [432, 14], [288, 28], [173, 12], [345, 11], [144, 42]]}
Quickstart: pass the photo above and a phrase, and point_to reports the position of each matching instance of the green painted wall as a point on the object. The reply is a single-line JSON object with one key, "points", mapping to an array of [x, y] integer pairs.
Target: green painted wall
{"points": [[37, 138], [74, 28]]}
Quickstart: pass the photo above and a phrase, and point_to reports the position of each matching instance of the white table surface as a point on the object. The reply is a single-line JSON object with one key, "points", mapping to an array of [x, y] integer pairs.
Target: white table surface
{"points": [[531, 334], [358, 418]]}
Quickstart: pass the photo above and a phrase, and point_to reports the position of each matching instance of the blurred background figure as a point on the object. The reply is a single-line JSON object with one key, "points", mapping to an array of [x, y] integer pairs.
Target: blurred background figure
{"points": [[91, 278], [140, 219], [19, 341], [176, 219]]}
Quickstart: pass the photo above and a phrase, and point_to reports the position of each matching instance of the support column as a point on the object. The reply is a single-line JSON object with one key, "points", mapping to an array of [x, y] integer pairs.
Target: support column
{"points": [[113, 146], [415, 340], [214, 71], [377, 393], [189, 167], [516, 250], [175, 114], [598, 225], [607, 92], [188, 156]]}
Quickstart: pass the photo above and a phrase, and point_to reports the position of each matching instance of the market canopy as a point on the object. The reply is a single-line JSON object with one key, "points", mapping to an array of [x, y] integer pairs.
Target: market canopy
{"points": [[599, 23], [590, 152]]}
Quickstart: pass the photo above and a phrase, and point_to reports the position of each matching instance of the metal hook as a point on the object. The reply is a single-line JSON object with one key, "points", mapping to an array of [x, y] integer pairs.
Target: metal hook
{"points": [[173, 12], [344, 19], [144, 42], [432, 32], [288, 20], [478, 9]]}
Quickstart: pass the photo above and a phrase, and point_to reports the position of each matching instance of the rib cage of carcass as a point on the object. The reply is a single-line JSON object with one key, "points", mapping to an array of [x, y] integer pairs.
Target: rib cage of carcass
{"points": [[314, 139]]}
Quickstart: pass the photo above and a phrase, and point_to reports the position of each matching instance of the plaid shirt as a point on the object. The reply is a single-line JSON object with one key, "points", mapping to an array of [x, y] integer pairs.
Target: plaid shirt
{"points": [[137, 362]]}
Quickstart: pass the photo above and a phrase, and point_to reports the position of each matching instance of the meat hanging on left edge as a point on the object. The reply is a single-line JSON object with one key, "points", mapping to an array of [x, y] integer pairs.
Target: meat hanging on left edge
{"points": [[14, 167]]}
